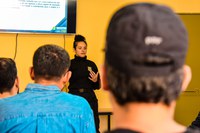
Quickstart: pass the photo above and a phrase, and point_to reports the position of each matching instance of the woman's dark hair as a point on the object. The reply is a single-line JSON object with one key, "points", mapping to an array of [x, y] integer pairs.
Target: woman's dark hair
{"points": [[78, 38]]}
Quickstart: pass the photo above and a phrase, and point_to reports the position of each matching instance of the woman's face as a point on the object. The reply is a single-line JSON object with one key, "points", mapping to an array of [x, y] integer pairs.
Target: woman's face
{"points": [[81, 49]]}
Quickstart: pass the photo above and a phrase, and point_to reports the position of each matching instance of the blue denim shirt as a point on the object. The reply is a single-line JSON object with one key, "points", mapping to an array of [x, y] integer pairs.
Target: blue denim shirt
{"points": [[45, 109]]}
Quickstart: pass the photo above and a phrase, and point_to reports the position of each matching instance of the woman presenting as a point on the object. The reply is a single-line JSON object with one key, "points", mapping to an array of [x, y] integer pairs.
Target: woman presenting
{"points": [[85, 77]]}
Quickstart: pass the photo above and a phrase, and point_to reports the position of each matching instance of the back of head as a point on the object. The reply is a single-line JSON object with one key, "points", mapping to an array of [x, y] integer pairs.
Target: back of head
{"points": [[146, 46], [50, 62], [8, 74]]}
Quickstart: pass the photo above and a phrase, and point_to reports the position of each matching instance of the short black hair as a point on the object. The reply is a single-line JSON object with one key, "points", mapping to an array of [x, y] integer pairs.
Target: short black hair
{"points": [[50, 62], [143, 89], [8, 74]]}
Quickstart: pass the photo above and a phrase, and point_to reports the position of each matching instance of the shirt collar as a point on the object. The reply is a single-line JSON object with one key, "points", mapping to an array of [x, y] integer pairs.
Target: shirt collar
{"points": [[39, 87]]}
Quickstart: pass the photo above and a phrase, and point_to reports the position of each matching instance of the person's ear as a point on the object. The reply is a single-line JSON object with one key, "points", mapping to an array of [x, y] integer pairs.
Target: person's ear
{"points": [[15, 88], [187, 76], [104, 79], [17, 84], [64, 79], [31, 72], [67, 76]]}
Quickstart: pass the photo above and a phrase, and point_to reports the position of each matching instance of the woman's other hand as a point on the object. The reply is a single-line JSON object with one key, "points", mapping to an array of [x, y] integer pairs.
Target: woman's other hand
{"points": [[93, 76]]}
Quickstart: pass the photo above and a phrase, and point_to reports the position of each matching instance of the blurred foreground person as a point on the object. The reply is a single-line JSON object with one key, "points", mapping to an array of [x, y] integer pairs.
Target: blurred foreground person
{"points": [[144, 69]]}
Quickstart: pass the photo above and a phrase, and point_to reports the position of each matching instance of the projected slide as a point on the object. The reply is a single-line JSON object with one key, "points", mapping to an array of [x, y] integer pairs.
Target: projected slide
{"points": [[48, 16]]}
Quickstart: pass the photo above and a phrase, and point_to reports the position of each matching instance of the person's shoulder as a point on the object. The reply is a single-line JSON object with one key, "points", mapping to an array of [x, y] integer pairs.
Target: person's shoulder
{"points": [[9, 99], [91, 62], [122, 131], [14, 100], [72, 60], [73, 97], [75, 100], [72, 63], [8, 106], [192, 130]]}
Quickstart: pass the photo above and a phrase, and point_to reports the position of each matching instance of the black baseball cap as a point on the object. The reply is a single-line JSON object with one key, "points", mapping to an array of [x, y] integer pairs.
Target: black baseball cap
{"points": [[146, 39]]}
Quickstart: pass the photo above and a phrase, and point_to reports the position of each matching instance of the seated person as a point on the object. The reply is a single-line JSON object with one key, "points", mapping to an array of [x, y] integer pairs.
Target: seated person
{"points": [[9, 83], [42, 107], [144, 69]]}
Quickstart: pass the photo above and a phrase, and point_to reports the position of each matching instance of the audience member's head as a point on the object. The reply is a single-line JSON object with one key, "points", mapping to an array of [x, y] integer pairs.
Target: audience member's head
{"points": [[9, 84], [50, 63], [146, 46]]}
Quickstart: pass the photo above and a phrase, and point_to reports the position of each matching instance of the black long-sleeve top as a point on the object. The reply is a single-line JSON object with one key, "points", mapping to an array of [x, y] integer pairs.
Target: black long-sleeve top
{"points": [[80, 68]]}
